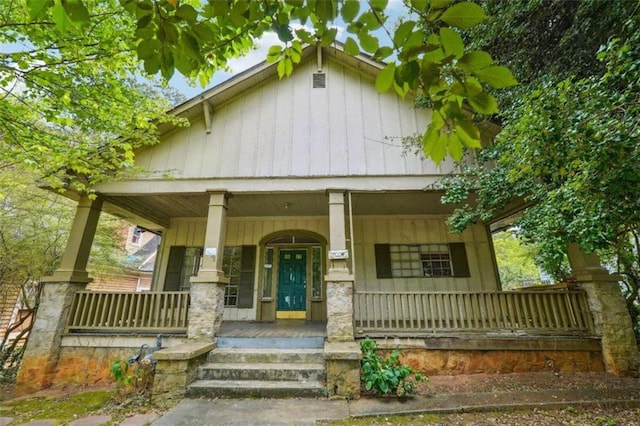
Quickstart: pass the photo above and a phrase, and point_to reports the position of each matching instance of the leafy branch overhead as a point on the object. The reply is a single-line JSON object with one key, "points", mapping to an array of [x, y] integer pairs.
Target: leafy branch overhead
{"points": [[424, 53]]}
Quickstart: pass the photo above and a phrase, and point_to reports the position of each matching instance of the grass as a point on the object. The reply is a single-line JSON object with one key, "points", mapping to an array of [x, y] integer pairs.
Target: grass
{"points": [[64, 409], [67, 408]]}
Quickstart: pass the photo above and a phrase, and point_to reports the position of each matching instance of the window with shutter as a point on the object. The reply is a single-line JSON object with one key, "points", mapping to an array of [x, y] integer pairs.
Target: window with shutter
{"points": [[421, 260]]}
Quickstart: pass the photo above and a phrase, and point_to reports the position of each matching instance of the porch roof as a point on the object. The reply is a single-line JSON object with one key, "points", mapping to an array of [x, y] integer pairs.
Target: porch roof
{"points": [[154, 211]]}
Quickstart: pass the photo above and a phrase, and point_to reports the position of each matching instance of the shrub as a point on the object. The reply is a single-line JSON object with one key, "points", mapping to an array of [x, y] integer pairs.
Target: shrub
{"points": [[386, 376], [132, 381]]}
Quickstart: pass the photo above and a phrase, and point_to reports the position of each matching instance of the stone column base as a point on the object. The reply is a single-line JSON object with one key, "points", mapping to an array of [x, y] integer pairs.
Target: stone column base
{"points": [[205, 310], [340, 309], [41, 354], [343, 369]]}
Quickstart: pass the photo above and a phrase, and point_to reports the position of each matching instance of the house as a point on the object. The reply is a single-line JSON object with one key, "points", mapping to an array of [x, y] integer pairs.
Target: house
{"points": [[290, 202]]}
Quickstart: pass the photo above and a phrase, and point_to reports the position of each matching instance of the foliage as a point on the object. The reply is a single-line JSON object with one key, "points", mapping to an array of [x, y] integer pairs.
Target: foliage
{"points": [[34, 226], [132, 382], [386, 375], [426, 54], [570, 149], [70, 107], [516, 260]]}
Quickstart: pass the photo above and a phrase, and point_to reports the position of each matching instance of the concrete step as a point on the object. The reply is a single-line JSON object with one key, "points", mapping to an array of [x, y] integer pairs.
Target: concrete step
{"points": [[271, 342], [255, 389], [257, 355], [262, 371]]}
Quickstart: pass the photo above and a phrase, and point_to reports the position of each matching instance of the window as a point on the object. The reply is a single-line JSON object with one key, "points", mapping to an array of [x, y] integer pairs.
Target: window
{"points": [[231, 263], [136, 236], [421, 260], [238, 264], [268, 273]]}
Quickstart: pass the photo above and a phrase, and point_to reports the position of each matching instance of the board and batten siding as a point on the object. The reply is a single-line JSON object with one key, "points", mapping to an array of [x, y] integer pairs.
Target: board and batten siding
{"points": [[369, 231], [287, 128], [240, 231]]}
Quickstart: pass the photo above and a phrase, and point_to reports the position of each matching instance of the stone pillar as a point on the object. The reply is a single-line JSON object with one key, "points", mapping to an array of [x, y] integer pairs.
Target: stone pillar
{"points": [[609, 311], [43, 347], [339, 279], [341, 352], [207, 288]]}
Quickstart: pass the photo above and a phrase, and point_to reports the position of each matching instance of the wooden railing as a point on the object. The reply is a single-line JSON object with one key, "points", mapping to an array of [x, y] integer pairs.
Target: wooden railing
{"points": [[129, 312], [533, 312]]}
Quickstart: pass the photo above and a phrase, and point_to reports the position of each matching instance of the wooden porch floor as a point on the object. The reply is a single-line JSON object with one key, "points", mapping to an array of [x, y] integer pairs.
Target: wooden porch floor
{"points": [[280, 328]]}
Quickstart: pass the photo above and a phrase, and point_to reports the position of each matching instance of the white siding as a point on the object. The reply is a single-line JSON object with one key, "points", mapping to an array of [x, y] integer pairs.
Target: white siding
{"points": [[288, 128]]}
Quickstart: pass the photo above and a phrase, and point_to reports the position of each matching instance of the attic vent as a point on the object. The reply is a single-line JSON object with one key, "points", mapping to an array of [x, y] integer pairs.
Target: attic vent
{"points": [[319, 80]]}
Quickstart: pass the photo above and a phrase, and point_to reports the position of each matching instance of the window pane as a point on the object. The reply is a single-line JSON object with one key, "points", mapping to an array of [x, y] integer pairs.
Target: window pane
{"points": [[420, 260], [231, 259]]}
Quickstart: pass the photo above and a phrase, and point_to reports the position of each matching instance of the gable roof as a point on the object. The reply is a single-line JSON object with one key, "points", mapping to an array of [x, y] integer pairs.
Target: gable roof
{"points": [[225, 91]]}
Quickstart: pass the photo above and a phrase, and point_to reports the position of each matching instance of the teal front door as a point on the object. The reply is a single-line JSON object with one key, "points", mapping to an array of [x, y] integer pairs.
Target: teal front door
{"points": [[292, 284]]}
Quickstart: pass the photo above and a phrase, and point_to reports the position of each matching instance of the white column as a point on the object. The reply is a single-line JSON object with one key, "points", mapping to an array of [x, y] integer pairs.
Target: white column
{"points": [[339, 279], [207, 288]]}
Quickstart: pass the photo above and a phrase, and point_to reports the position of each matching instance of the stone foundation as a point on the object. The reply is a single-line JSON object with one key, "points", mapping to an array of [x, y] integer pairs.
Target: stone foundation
{"points": [[81, 361], [177, 367], [453, 362], [342, 361]]}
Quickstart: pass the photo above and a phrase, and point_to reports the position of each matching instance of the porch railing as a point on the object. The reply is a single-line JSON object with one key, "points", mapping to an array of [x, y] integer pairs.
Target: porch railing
{"points": [[533, 312], [129, 312]]}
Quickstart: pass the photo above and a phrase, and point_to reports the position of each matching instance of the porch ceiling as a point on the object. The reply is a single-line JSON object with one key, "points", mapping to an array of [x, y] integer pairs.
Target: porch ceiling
{"points": [[154, 211]]}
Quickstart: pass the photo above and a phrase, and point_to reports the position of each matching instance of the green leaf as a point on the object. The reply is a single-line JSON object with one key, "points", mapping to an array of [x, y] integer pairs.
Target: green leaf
{"points": [[324, 10], [60, 17], [464, 15], [379, 5], [439, 4], [474, 60], [368, 42], [408, 73], [187, 13], [147, 48], [76, 11], [419, 4], [351, 47], [274, 53], [403, 32], [413, 45], [383, 52], [284, 32], [350, 9], [385, 77], [484, 103], [451, 42], [468, 134], [36, 7], [496, 76]]}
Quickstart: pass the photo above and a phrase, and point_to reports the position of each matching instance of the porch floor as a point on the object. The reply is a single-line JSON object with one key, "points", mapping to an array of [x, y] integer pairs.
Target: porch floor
{"points": [[279, 328]]}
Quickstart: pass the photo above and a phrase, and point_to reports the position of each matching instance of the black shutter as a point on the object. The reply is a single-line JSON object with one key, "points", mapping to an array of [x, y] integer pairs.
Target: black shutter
{"points": [[459, 261], [247, 277], [383, 261], [174, 268]]}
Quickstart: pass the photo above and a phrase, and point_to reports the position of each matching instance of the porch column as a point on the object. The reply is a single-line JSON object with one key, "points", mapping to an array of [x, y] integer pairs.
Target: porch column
{"points": [[609, 311], [37, 369], [207, 288], [339, 279]]}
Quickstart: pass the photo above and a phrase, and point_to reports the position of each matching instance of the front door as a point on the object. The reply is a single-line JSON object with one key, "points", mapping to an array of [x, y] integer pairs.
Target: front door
{"points": [[292, 284]]}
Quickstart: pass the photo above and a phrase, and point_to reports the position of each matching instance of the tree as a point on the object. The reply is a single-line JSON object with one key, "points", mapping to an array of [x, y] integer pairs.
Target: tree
{"points": [[34, 226], [570, 148], [426, 57], [515, 259], [70, 106]]}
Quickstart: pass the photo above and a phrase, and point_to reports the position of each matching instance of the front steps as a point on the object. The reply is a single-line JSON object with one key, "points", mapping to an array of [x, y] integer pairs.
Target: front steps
{"points": [[272, 368]]}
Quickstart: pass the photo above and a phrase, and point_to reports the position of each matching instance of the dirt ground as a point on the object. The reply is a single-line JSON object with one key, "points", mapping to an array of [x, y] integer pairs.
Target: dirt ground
{"points": [[475, 383]]}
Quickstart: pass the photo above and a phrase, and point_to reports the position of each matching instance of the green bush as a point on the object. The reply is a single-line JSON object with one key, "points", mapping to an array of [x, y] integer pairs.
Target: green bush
{"points": [[386, 376]]}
